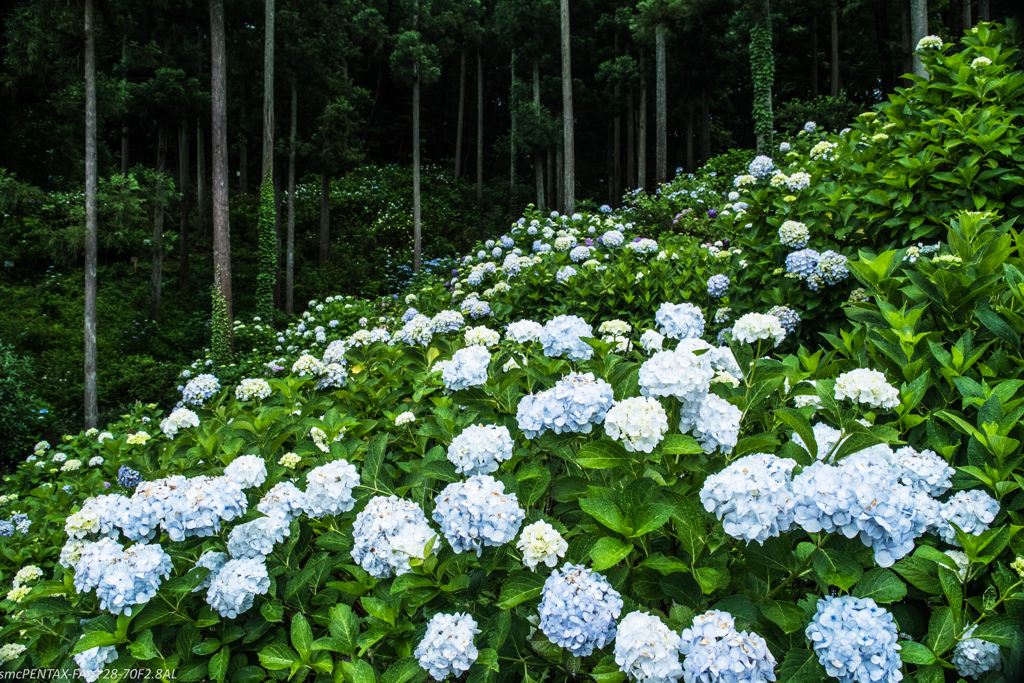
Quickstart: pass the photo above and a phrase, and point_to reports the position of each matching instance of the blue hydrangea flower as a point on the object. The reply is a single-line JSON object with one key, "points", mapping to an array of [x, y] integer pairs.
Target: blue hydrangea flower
{"points": [[802, 263], [612, 238], [715, 652], [788, 318], [973, 656], [329, 488], [646, 649], [199, 389], [447, 648], [91, 662], [680, 321], [575, 404], [753, 497], [718, 285], [971, 510], [214, 561], [831, 267], [580, 254], [562, 336], [855, 640], [388, 533], [565, 274], [284, 500], [447, 321], [477, 513], [236, 585], [578, 609], [182, 507], [761, 166], [417, 331], [468, 368], [716, 426], [122, 578], [128, 478], [256, 539], [680, 373], [924, 471], [480, 448], [247, 470], [507, 242], [475, 308]]}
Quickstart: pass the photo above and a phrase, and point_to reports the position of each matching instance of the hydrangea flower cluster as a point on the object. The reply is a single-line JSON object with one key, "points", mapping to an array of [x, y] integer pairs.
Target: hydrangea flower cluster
{"points": [[679, 373], [612, 238], [447, 648], [334, 377], [565, 274], [447, 321], [718, 285], [929, 42], [482, 336], [247, 470], [308, 365], [182, 507], [794, 234], [788, 318], [575, 404], [578, 609], [752, 497], [651, 341], [798, 181], [476, 513], [284, 500], [236, 585], [418, 331], [335, 353], [199, 389], [761, 166], [802, 263], [468, 368], [329, 488], [639, 422], [389, 532], [180, 418], [127, 477], [717, 424], [122, 578], [924, 471], [680, 321], [855, 640], [91, 662], [753, 327], [562, 336], [480, 448], [831, 268], [717, 653], [579, 254], [540, 542], [643, 246], [973, 656], [972, 510], [256, 539], [524, 331], [404, 418], [253, 389], [646, 649], [11, 651], [867, 386], [214, 561]]}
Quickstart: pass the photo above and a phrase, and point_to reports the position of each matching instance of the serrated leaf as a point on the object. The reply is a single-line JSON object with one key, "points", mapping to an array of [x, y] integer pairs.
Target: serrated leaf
{"points": [[999, 630], [608, 552], [520, 587], [881, 585], [800, 666], [680, 444], [941, 630], [787, 615], [275, 656], [606, 512], [302, 636], [603, 454], [344, 627], [915, 653]]}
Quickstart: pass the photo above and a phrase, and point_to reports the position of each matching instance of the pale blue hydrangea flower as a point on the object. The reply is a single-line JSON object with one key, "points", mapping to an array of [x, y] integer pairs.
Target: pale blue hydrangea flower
{"points": [[507, 242], [199, 389], [575, 404], [562, 336], [679, 373], [971, 510], [753, 497], [761, 166], [236, 585], [924, 471], [479, 449], [475, 308], [214, 561], [122, 578], [416, 332], [810, 127], [715, 652], [580, 254], [540, 246], [182, 507], [565, 274], [855, 640], [477, 513], [108, 513], [718, 285], [831, 267], [680, 321], [647, 650], [257, 538], [973, 656], [335, 352], [447, 648], [334, 377], [91, 662], [511, 265], [329, 488], [821, 501], [524, 331], [388, 533], [247, 470], [468, 368], [447, 321], [612, 238], [802, 263], [716, 426], [409, 314], [578, 609], [788, 318], [496, 252], [284, 500]]}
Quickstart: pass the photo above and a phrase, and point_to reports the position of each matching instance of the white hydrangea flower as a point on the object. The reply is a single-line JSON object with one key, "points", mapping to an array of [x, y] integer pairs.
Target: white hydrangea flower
{"points": [[647, 650], [388, 533], [27, 574], [479, 449], [524, 331], [540, 542], [404, 418], [250, 389], [247, 470], [482, 336], [867, 386], [329, 488], [447, 648], [651, 341], [756, 326], [289, 460], [640, 423]]}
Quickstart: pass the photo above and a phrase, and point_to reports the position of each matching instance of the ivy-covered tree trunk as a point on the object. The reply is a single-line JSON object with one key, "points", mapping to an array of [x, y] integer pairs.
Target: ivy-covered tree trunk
{"points": [[568, 141], [267, 270], [661, 105], [185, 207], [91, 221], [157, 242], [222, 328], [918, 30], [762, 65]]}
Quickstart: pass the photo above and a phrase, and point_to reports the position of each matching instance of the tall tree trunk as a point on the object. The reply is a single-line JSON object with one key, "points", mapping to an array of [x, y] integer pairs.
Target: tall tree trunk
{"points": [[983, 10], [965, 8], [157, 243], [630, 140], [661, 116], [479, 139], [219, 133], [183, 183], [705, 126], [289, 272], [124, 95], [512, 140], [267, 176], [325, 216], [538, 157], [567, 115], [91, 222], [762, 65], [201, 209], [560, 177], [689, 137], [278, 242], [552, 194], [908, 46], [617, 147], [814, 57], [462, 106], [918, 30], [417, 225], [641, 143], [266, 273], [834, 84]]}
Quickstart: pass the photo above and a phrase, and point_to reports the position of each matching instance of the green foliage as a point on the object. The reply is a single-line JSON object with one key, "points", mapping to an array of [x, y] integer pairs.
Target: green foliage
{"points": [[221, 342], [22, 415], [829, 113], [267, 250], [762, 69]]}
